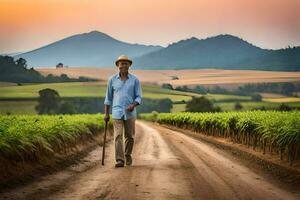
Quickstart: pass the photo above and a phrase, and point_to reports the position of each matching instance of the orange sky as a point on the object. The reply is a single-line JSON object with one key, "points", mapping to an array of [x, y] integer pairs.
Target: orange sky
{"points": [[28, 24]]}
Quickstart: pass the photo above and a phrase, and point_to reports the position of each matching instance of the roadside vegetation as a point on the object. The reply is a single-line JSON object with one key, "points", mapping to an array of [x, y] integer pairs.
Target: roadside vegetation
{"points": [[34, 137], [268, 131]]}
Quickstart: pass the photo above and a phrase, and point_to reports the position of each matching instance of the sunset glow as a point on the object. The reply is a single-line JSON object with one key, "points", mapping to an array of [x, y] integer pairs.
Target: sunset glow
{"points": [[29, 24]]}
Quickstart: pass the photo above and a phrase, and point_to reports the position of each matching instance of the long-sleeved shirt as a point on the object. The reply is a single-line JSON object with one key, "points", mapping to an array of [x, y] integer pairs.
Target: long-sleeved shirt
{"points": [[121, 93]]}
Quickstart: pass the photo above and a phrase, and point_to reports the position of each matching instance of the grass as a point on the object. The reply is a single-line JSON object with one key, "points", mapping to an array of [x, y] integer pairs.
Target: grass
{"points": [[89, 89], [178, 108], [226, 97], [74, 89], [17, 107]]}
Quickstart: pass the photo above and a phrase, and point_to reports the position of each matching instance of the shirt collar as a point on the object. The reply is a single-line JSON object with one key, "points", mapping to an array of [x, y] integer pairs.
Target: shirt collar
{"points": [[118, 75]]}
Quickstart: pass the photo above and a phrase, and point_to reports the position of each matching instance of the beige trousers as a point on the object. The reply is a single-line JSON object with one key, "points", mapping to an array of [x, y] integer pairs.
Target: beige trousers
{"points": [[128, 128]]}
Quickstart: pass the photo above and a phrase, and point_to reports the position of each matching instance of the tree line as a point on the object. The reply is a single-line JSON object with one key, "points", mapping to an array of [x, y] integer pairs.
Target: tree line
{"points": [[17, 71], [50, 102], [284, 88]]}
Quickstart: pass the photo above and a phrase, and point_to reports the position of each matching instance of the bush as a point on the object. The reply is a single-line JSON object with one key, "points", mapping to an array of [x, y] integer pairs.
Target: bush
{"points": [[256, 97], [201, 104], [238, 106]]}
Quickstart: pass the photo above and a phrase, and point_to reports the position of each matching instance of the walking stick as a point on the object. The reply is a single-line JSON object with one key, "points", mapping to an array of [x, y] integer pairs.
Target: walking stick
{"points": [[104, 140]]}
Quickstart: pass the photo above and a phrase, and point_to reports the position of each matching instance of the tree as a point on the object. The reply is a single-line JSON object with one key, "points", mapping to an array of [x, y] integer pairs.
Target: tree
{"points": [[261, 108], [288, 88], [284, 107], [201, 104], [167, 86], [60, 65], [238, 106], [67, 108], [22, 63], [201, 90], [17, 71], [159, 105], [48, 102], [256, 97]]}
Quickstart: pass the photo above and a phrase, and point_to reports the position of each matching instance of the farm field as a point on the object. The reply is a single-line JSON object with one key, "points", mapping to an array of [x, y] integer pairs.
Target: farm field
{"points": [[21, 99], [87, 89], [16, 99], [229, 106], [225, 78], [18, 107], [31, 138]]}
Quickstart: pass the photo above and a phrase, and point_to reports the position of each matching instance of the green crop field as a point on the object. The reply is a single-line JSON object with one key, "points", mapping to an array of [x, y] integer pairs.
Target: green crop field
{"points": [[11, 95], [249, 105], [272, 131], [18, 107], [228, 106], [87, 89], [21, 99], [227, 97], [74, 89], [32, 137]]}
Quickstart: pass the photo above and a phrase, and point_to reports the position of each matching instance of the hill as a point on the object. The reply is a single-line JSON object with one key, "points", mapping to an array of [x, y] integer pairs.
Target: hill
{"points": [[87, 49], [222, 51]]}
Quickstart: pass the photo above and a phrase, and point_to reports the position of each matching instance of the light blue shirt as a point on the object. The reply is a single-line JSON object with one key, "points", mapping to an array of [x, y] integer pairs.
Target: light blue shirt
{"points": [[121, 93]]}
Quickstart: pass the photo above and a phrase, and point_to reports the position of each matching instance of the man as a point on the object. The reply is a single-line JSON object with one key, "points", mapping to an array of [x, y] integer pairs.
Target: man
{"points": [[123, 93]]}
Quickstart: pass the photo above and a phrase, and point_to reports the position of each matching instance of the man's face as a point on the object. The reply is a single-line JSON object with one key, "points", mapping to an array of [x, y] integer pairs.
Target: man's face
{"points": [[123, 66]]}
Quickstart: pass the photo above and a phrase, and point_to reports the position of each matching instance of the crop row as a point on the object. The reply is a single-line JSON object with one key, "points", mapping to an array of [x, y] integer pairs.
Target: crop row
{"points": [[269, 131], [32, 137]]}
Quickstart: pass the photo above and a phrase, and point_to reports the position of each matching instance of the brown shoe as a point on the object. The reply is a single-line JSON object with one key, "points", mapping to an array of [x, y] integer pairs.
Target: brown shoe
{"points": [[128, 160], [119, 163]]}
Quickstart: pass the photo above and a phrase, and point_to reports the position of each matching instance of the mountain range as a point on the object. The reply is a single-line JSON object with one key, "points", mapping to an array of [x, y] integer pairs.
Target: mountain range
{"points": [[97, 49]]}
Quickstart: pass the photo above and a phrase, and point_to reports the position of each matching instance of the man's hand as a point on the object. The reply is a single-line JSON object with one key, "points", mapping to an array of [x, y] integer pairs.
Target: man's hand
{"points": [[106, 113], [131, 107], [106, 117]]}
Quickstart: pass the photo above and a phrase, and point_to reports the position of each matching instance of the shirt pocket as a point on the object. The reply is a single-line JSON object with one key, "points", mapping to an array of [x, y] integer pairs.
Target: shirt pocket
{"points": [[130, 88], [117, 86], [130, 92]]}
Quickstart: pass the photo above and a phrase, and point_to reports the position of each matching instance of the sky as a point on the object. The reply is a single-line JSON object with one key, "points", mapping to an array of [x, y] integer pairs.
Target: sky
{"points": [[28, 24]]}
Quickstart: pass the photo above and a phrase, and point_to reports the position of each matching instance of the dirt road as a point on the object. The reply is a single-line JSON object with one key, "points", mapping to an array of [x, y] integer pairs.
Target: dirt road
{"points": [[166, 165]]}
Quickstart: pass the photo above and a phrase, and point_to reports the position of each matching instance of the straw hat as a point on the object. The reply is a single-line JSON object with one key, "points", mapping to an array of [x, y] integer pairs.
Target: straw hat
{"points": [[123, 58]]}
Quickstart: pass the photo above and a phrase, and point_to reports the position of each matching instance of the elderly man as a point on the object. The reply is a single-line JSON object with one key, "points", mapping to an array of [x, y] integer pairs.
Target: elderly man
{"points": [[123, 93]]}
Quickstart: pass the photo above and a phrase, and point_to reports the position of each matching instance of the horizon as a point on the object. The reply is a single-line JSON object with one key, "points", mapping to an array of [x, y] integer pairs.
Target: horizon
{"points": [[270, 24], [212, 36]]}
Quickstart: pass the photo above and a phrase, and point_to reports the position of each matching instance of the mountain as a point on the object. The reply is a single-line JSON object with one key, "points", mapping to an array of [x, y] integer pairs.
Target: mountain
{"points": [[219, 51], [281, 60], [96, 49], [222, 51], [87, 49], [11, 54]]}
